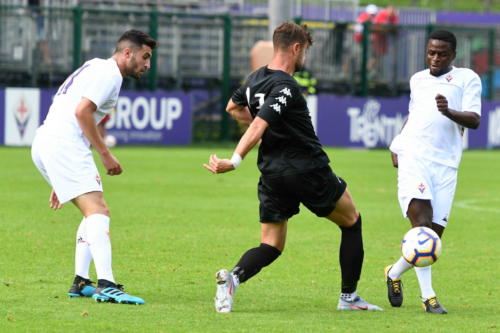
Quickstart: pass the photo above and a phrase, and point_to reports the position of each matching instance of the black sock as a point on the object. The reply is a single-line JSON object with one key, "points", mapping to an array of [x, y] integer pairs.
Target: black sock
{"points": [[351, 256], [101, 283], [254, 260]]}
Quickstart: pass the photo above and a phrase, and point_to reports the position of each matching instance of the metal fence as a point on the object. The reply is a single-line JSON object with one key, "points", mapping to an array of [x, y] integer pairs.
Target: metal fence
{"points": [[41, 46]]}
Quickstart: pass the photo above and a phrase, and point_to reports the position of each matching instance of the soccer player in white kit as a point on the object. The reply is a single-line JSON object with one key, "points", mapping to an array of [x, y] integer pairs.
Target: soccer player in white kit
{"points": [[61, 153], [427, 152]]}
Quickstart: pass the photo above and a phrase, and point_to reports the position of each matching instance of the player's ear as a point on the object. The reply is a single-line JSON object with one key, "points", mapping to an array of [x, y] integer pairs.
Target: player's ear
{"points": [[127, 52], [454, 55], [296, 48]]}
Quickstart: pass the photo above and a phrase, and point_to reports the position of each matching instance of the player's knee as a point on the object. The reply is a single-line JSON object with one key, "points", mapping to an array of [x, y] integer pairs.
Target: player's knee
{"points": [[98, 208], [105, 210], [350, 219], [354, 228], [103, 207], [420, 220]]}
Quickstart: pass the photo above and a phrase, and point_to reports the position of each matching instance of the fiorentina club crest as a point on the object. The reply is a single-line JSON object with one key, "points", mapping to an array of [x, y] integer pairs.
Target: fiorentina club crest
{"points": [[98, 179], [449, 77], [22, 115], [421, 187]]}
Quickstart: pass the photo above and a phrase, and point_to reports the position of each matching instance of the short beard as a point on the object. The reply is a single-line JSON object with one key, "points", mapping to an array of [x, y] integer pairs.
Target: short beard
{"points": [[299, 67]]}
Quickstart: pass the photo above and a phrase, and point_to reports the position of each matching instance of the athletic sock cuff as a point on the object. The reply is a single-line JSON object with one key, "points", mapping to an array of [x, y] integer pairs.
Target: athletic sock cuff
{"points": [[271, 248], [355, 227]]}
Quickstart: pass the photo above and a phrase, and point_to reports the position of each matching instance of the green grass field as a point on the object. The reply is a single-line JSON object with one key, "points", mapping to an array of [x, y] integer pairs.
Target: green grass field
{"points": [[174, 225]]}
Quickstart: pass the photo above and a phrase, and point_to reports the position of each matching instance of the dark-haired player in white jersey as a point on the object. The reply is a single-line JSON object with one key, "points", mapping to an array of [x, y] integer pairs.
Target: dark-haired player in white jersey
{"points": [[61, 153], [294, 169], [427, 152]]}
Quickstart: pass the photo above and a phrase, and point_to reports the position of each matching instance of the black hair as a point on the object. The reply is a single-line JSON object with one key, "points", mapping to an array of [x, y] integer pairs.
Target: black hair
{"points": [[445, 36], [136, 37]]}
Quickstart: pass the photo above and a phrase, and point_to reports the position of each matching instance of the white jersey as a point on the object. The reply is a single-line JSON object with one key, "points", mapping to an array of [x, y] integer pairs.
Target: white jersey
{"points": [[98, 80], [428, 133]]}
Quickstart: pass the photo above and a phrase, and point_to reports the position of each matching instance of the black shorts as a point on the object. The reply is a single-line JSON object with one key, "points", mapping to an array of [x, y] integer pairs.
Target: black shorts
{"points": [[280, 197]]}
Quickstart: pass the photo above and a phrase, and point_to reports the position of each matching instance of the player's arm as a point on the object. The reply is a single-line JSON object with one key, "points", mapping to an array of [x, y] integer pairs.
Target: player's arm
{"points": [[240, 113], [55, 204], [394, 156], [464, 118], [85, 116], [252, 136]]}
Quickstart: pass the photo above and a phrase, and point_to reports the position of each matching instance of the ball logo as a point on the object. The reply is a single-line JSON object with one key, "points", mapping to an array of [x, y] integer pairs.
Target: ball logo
{"points": [[421, 246]]}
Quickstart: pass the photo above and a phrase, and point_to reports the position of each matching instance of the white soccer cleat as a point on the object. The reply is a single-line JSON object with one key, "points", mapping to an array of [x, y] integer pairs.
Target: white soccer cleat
{"points": [[356, 304], [226, 287]]}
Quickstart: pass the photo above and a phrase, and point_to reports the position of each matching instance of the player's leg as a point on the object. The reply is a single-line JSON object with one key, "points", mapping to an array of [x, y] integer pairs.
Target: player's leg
{"points": [[351, 253], [96, 212], [414, 195], [326, 195], [273, 238], [276, 207], [420, 215], [82, 286], [445, 180]]}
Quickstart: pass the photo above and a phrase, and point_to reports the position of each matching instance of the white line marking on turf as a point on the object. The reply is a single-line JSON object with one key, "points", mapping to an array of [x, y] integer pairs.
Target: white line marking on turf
{"points": [[472, 204]]}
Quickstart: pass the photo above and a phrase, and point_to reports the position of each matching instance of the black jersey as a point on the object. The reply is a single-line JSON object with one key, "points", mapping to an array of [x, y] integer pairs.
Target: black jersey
{"points": [[289, 145]]}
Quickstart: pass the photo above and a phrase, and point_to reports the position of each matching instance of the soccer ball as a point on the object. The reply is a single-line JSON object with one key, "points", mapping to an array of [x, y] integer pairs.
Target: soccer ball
{"points": [[421, 246], [110, 141]]}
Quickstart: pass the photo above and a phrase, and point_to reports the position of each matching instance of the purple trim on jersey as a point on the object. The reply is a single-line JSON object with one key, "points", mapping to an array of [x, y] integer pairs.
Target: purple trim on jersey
{"points": [[46, 98], [71, 79]]}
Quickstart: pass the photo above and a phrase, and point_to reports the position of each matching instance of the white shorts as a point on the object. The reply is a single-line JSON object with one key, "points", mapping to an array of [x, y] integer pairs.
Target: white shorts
{"points": [[67, 165], [423, 179]]}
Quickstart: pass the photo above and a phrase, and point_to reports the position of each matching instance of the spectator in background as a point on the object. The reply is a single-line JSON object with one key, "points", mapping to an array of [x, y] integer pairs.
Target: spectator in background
{"points": [[387, 16], [306, 81], [367, 16], [38, 17]]}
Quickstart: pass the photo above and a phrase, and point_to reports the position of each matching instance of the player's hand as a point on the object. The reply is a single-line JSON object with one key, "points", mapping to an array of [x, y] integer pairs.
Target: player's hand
{"points": [[442, 104], [217, 165], [54, 201], [111, 164], [394, 158]]}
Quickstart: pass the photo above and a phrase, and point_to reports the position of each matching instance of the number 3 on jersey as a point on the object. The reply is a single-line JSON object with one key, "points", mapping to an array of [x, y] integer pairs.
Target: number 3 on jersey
{"points": [[259, 96]]}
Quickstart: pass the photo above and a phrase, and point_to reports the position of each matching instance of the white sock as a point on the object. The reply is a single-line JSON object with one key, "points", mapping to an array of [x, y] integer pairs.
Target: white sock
{"points": [[100, 245], [236, 281], [349, 296], [83, 256], [424, 275], [399, 268]]}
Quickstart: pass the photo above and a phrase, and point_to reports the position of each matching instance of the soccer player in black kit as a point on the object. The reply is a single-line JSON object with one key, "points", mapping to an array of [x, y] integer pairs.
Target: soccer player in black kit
{"points": [[294, 169]]}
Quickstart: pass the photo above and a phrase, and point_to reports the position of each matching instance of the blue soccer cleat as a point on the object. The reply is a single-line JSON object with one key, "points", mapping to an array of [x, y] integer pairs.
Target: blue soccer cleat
{"points": [[81, 288], [110, 292]]}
